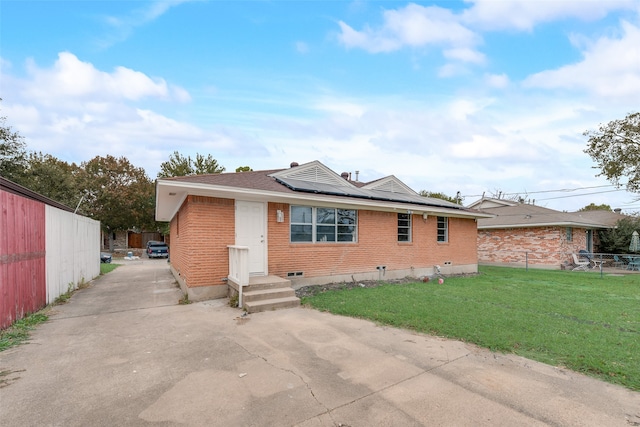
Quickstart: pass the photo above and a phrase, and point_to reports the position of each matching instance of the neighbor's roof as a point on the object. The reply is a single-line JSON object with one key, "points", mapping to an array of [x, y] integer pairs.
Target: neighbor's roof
{"points": [[608, 218], [526, 215], [311, 183]]}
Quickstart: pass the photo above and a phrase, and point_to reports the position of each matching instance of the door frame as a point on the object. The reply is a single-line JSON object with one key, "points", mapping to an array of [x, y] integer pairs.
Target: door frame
{"points": [[263, 224], [589, 238]]}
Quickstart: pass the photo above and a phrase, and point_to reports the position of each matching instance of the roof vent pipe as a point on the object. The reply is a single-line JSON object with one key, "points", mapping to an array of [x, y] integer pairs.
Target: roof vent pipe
{"points": [[293, 164], [357, 173]]}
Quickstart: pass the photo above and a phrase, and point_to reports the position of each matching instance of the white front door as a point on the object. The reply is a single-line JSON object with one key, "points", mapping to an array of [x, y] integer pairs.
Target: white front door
{"points": [[251, 232]]}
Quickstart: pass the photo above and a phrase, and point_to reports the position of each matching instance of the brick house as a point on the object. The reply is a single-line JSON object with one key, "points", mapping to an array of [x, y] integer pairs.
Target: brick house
{"points": [[521, 233], [307, 225]]}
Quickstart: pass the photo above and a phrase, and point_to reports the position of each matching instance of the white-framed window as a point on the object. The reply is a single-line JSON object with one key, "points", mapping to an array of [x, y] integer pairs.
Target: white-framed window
{"points": [[318, 225], [301, 224], [404, 227], [443, 229]]}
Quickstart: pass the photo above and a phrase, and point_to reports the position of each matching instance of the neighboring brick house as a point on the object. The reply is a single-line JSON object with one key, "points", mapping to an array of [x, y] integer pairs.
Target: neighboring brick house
{"points": [[521, 233], [121, 241], [309, 225]]}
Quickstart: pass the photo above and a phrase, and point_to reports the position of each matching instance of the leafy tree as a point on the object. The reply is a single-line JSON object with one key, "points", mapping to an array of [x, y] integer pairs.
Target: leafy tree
{"points": [[594, 207], [425, 193], [203, 165], [179, 165], [615, 147], [243, 169], [616, 240], [118, 194], [13, 153], [53, 178]]}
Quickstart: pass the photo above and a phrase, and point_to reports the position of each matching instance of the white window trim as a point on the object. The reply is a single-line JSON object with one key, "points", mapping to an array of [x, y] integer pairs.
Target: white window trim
{"points": [[446, 229], [314, 225], [409, 228]]}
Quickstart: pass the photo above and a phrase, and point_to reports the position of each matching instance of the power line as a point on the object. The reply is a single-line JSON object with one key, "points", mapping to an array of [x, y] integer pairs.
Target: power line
{"points": [[582, 194], [562, 190]]}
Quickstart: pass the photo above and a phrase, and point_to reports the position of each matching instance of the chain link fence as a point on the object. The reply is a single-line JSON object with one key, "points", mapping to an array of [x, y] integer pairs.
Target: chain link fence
{"points": [[582, 261]]}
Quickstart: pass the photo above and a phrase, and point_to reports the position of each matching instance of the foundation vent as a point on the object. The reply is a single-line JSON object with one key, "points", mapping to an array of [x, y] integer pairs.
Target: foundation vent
{"points": [[295, 274]]}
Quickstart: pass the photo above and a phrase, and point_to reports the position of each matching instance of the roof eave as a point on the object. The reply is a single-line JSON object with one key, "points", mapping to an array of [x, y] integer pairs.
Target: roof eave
{"points": [[171, 195], [542, 224]]}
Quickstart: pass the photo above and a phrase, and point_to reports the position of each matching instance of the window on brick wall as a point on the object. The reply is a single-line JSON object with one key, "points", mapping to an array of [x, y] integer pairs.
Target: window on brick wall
{"points": [[319, 225], [569, 234], [404, 227], [443, 229]]}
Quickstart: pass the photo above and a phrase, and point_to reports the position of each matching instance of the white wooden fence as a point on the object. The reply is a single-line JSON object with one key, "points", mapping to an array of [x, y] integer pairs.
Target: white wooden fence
{"points": [[73, 251]]}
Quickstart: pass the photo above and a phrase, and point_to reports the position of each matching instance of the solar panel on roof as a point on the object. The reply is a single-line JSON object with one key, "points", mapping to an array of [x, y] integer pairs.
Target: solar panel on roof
{"points": [[348, 191]]}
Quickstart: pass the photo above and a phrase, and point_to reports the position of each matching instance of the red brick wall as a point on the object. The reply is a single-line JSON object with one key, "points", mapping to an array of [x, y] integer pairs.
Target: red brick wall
{"points": [[205, 226], [377, 245], [545, 246], [200, 233]]}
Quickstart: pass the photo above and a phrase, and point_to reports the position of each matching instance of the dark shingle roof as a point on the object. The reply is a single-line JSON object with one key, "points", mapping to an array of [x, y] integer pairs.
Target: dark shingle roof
{"points": [[256, 180], [313, 181], [526, 215]]}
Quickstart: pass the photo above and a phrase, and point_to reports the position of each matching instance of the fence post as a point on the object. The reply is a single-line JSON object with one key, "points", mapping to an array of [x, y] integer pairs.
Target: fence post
{"points": [[601, 276]]}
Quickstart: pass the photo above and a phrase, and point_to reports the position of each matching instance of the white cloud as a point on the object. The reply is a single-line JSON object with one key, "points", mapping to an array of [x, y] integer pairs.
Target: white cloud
{"points": [[414, 26], [465, 55], [524, 15], [75, 111], [121, 28], [179, 94], [71, 79], [5, 65], [498, 81], [27, 116], [123, 82], [494, 147], [461, 109], [351, 109], [452, 70], [610, 68]]}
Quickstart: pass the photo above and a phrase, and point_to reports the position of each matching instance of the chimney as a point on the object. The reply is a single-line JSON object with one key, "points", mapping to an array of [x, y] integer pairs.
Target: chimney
{"points": [[357, 173], [293, 164]]}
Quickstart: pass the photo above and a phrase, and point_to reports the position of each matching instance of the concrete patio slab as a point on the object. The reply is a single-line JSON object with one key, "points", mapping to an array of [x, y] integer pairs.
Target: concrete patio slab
{"points": [[124, 352]]}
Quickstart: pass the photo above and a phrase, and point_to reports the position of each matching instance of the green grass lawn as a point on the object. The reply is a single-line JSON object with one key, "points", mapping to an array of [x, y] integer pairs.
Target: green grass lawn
{"points": [[107, 267], [19, 331], [574, 319]]}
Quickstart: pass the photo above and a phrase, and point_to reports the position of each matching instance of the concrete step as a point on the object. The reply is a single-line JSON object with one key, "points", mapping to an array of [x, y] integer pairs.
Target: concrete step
{"points": [[266, 282], [260, 295], [271, 304]]}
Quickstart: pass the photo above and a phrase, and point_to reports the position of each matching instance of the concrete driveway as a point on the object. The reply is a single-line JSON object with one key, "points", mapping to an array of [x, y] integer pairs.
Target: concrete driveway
{"points": [[124, 353]]}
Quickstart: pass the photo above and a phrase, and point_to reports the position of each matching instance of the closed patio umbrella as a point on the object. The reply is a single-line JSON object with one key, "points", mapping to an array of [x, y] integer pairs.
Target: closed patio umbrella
{"points": [[634, 246]]}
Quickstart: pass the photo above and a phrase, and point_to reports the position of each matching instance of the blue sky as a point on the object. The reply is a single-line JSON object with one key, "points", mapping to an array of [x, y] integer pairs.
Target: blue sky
{"points": [[475, 96]]}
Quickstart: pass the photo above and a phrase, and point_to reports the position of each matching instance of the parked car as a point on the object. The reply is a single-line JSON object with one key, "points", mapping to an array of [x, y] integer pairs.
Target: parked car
{"points": [[105, 257], [156, 249]]}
